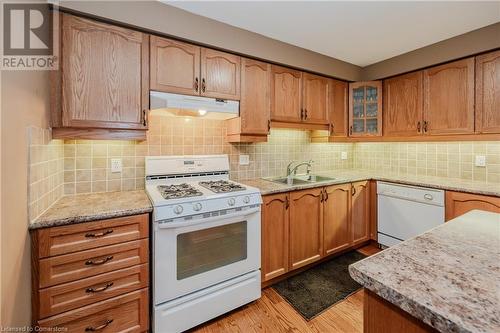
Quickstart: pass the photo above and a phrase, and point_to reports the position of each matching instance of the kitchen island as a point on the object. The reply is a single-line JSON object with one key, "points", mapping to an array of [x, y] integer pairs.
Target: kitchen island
{"points": [[446, 280]]}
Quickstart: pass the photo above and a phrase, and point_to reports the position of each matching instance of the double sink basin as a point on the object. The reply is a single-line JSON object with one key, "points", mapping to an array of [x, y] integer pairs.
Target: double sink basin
{"points": [[300, 179]]}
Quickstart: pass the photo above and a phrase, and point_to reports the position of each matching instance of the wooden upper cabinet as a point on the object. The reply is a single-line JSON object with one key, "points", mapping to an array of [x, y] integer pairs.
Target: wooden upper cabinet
{"points": [[403, 105], [220, 74], [175, 66], [286, 94], [275, 224], [255, 101], [360, 211], [338, 107], [459, 203], [306, 227], [488, 93], [449, 98], [336, 219], [365, 108], [105, 75], [315, 99]]}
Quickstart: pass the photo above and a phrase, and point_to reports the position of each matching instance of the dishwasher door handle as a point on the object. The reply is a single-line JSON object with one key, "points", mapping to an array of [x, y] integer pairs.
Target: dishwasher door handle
{"points": [[428, 196]]}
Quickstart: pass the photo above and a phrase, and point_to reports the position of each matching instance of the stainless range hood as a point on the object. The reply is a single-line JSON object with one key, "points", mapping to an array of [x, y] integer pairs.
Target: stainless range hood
{"points": [[193, 106]]}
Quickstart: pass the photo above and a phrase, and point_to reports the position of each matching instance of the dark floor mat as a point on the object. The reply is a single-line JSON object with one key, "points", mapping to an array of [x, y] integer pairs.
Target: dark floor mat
{"points": [[318, 288]]}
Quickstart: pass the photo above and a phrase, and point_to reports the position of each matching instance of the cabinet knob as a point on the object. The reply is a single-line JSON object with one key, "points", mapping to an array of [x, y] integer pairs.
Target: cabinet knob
{"points": [[98, 234], [301, 114], [196, 84], [93, 262], [203, 85], [350, 130], [99, 289], [418, 127], [426, 124], [305, 114], [268, 126]]}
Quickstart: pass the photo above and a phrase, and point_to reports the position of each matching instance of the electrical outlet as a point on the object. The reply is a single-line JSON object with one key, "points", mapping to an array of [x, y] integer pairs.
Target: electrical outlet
{"points": [[343, 155], [244, 159], [480, 161], [116, 165]]}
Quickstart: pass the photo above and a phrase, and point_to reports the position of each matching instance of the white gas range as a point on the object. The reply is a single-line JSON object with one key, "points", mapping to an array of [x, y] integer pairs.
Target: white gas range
{"points": [[206, 240]]}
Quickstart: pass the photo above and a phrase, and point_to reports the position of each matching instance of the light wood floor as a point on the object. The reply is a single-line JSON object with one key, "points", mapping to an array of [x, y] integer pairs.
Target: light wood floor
{"points": [[271, 313]]}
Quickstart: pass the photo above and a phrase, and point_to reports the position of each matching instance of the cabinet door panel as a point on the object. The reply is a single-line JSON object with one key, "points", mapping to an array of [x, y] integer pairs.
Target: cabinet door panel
{"points": [[403, 105], [255, 96], [360, 212], [286, 94], [488, 93], [306, 227], [365, 108], [449, 98], [220, 74], [336, 219], [105, 75], [175, 66], [315, 99], [458, 203], [275, 218], [338, 107]]}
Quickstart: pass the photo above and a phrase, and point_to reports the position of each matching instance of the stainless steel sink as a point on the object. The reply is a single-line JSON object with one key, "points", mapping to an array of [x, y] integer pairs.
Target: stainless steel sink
{"points": [[302, 179]]}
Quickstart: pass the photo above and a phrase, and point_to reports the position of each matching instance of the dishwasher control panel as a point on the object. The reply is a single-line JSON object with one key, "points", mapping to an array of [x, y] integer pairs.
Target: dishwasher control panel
{"points": [[413, 193]]}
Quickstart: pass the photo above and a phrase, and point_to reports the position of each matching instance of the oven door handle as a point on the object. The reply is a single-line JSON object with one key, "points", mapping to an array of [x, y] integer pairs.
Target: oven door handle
{"points": [[170, 225]]}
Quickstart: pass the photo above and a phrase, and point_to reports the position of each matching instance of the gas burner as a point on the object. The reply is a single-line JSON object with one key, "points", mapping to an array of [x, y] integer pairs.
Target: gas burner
{"points": [[178, 191], [222, 186]]}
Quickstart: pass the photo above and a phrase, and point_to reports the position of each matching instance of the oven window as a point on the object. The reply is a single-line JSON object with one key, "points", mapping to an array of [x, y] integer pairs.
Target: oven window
{"points": [[203, 250]]}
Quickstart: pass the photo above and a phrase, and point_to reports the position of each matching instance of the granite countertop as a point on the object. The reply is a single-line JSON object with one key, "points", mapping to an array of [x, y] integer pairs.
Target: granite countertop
{"points": [[342, 177], [448, 277], [79, 208]]}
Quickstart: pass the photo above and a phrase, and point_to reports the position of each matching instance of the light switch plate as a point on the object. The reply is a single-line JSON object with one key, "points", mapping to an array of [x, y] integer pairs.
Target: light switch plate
{"points": [[480, 161], [343, 155], [116, 165], [244, 159]]}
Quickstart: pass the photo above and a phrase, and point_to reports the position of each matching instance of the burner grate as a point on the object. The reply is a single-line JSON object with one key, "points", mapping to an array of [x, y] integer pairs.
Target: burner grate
{"points": [[222, 186], [178, 191]]}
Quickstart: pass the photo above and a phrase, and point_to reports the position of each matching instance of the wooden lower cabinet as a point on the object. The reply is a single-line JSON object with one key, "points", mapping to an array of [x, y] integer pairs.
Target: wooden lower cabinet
{"points": [[306, 227], [126, 313], [459, 203], [92, 276], [336, 219], [275, 233], [301, 227], [360, 211]]}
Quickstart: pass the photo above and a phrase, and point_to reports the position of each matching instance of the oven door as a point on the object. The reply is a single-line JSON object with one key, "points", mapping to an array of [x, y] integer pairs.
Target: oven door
{"points": [[195, 254]]}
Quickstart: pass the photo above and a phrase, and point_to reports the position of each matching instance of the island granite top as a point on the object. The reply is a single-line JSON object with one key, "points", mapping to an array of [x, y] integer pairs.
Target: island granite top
{"points": [[448, 277], [79, 208]]}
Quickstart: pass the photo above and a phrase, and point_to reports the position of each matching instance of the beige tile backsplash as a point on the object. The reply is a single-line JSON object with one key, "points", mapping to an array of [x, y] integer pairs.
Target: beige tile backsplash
{"points": [[46, 158], [83, 166], [442, 159]]}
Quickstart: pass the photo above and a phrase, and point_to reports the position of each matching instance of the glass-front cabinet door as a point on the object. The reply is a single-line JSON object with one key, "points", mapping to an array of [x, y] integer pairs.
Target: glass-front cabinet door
{"points": [[365, 108]]}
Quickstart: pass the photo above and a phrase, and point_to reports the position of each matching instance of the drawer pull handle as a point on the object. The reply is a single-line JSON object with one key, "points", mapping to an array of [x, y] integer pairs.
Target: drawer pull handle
{"points": [[99, 234], [98, 262], [100, 327], [99, 289]]}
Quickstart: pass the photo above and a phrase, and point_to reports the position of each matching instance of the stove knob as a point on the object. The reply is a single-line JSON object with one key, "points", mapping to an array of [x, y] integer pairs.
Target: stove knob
{"points": [[197, 207], [178, 209], [231, 202], [246, 199]]}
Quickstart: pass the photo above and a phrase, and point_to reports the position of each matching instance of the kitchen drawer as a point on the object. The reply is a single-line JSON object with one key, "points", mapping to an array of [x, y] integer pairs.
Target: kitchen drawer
{"points": [[125, 313], [78, 265], [72, 295], [72, 238]]}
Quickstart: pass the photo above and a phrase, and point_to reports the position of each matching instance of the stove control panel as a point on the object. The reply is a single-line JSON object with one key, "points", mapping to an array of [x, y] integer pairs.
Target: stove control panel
{"points": [[194, 207]]}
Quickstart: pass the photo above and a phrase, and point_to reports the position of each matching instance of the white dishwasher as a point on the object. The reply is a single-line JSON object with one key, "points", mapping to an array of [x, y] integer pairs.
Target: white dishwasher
{"points": [[407, 211]]}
